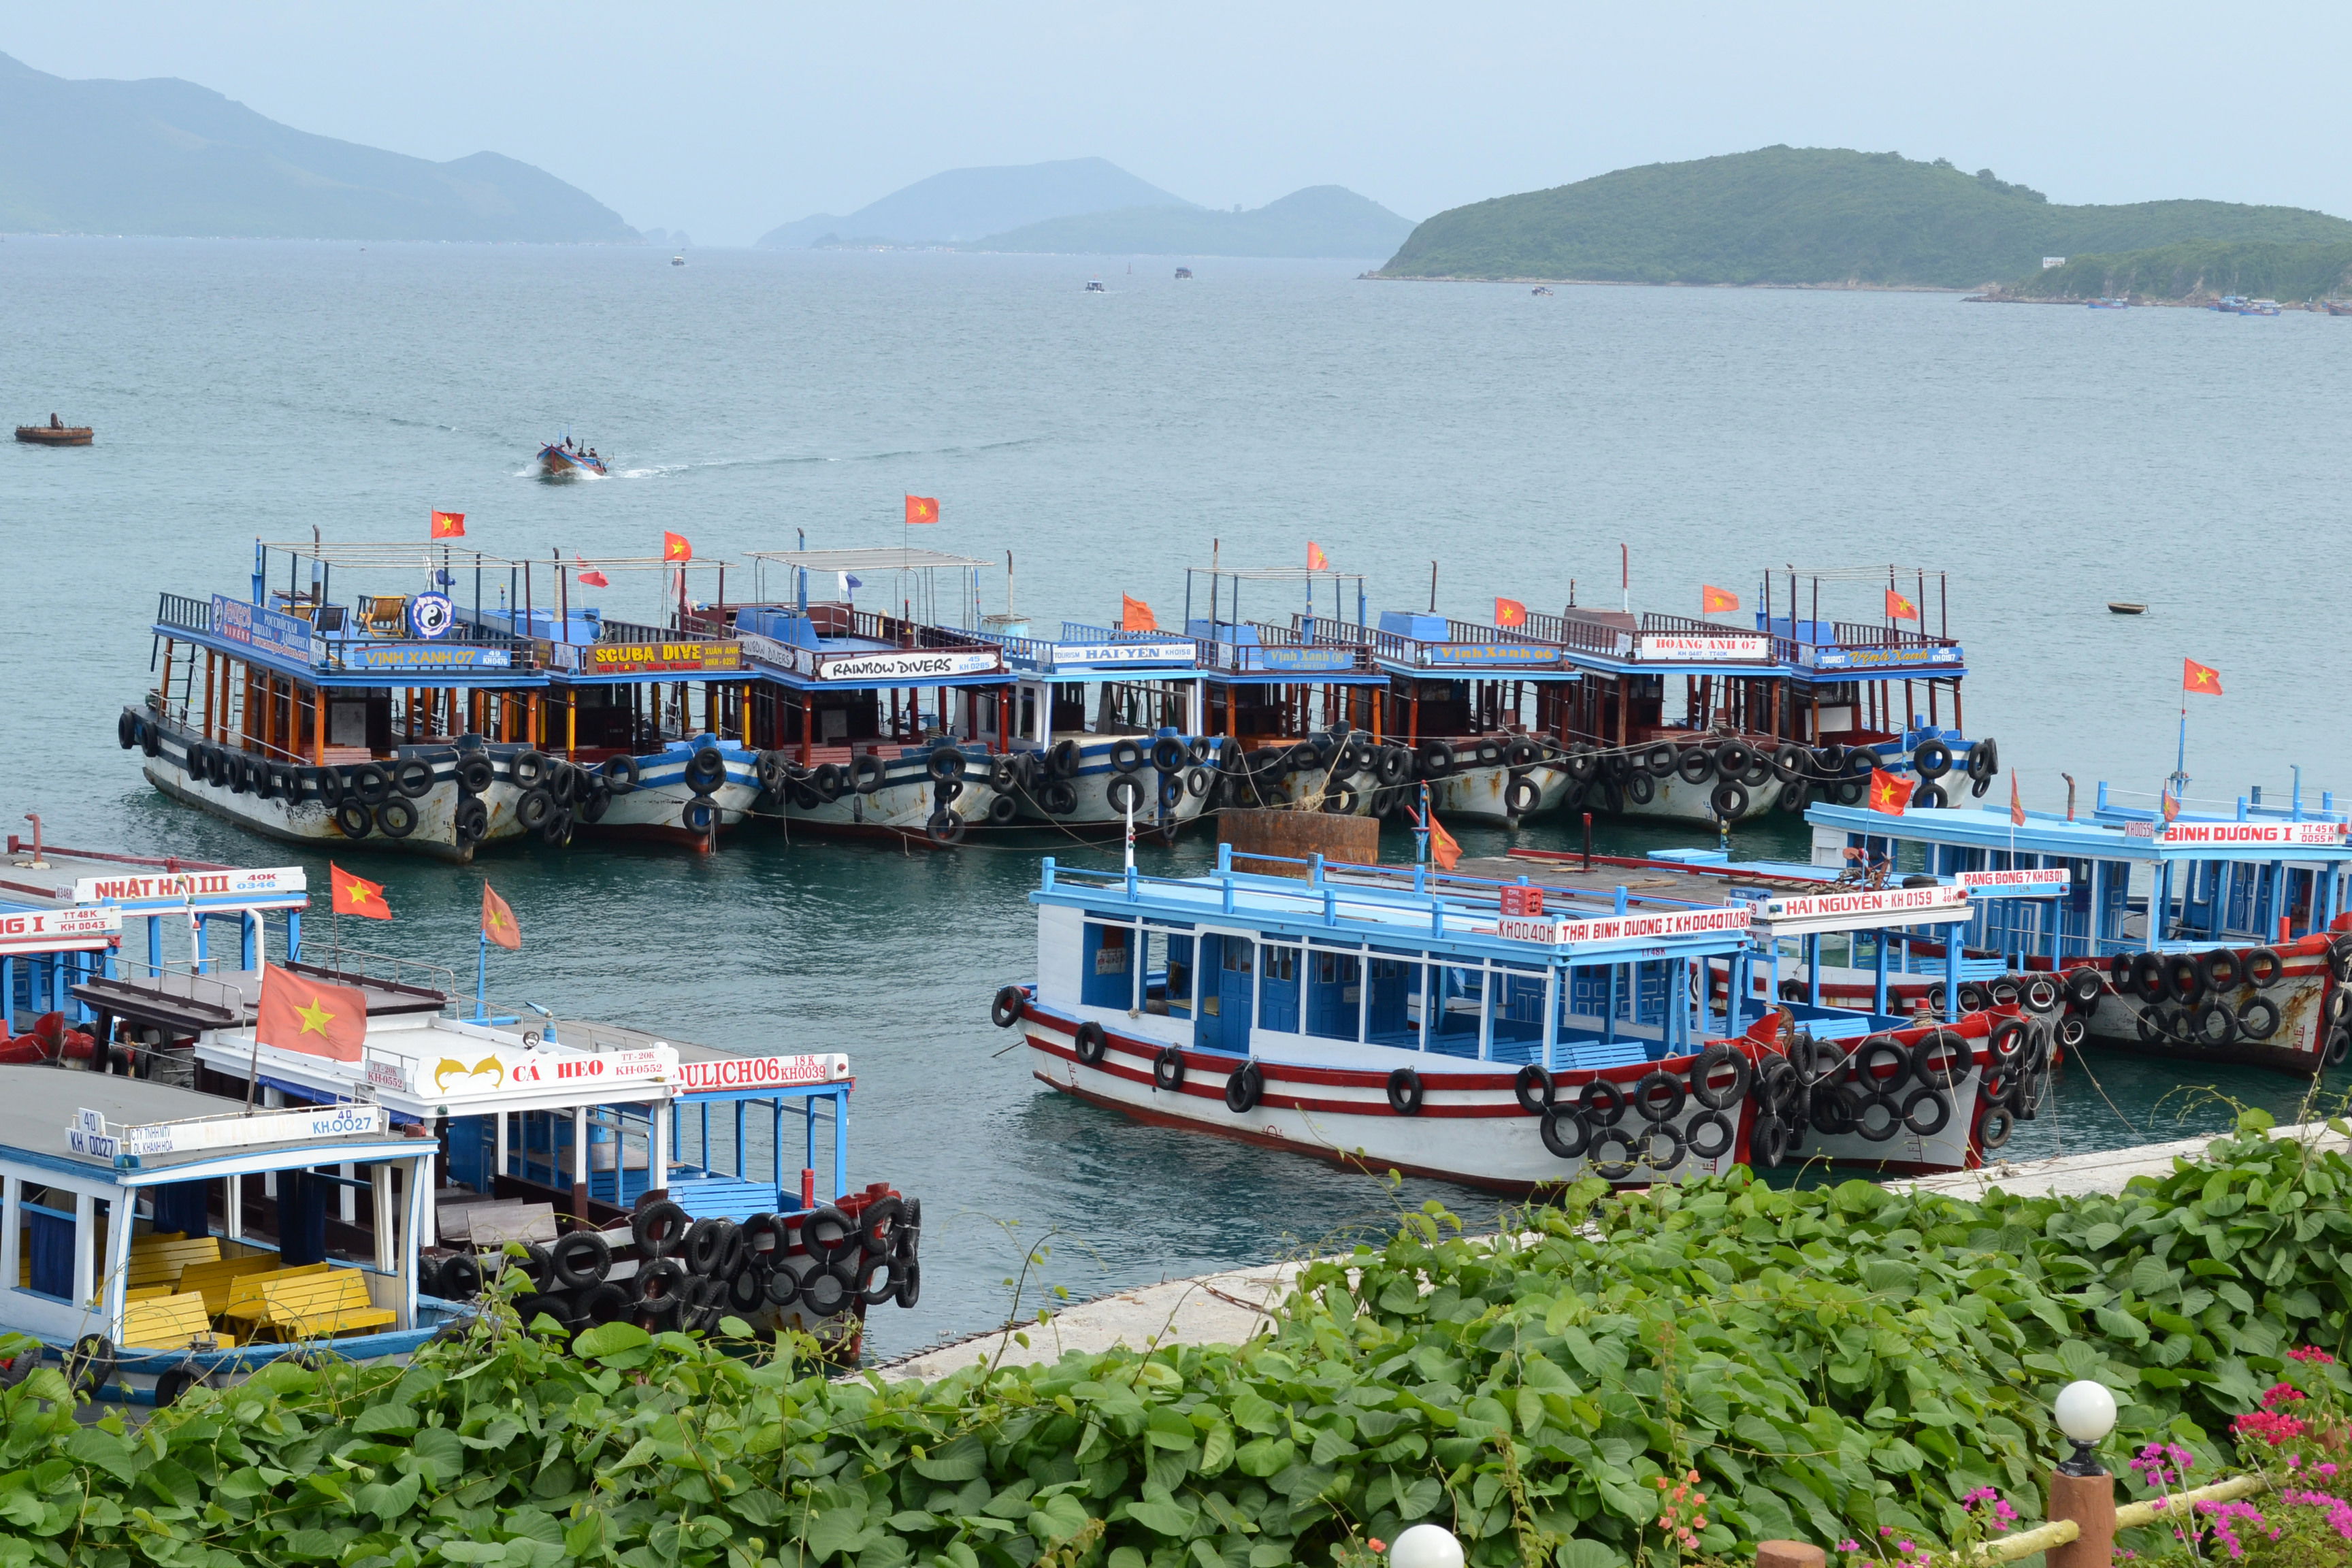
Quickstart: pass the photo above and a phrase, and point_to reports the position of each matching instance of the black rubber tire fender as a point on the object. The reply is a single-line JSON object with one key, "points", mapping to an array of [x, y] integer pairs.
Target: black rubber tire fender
{"points": [[2220, 969], [1718, 1145], [126, 729], [602, 1303], [1064, 760], [1601, 1103], [1734, 758], [2268, 1012], [1729, 800], [1877, 1051], [1789, 761], [945, 826], [1659, 761], [2213, 1024], [2041, 995], [866, 773], [1930, 797], [828, 1235], [1931, 759], [2338, 1046], [580, 1258], [1583, 762], [2264, 967], [2006, 1044], [2084, 986], [2185, 979], [395, 818], [783, 1286], [945, 764], [533, 809], [1521, 796], [1406, 1092], [1918, 1103], [1058, 798], [1245, 1086], [354, 819], [1005, 1009], [1123, 793], [657, 1227], [412, 777], [1768, 1141], [1613, 1170], [705, 769], [1127, 754], [1714, 1059], [621, 774], [1395, 764], [91, 1363], [1566, 1134], [2070, 1031], [1984, 760], [1168, 754], [1994, 1127], [2149, 977], [1437, 759], [1534, 1087], [1695, 765], [1660, 1096], [1168, 1069], [1676, 1144], [1641, 788], [1940, 1059]]}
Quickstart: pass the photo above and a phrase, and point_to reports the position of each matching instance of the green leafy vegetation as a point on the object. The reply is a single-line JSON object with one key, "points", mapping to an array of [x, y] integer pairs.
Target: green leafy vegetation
{"points": [[2206, 270], [1813, 216], [1827, 1363]]}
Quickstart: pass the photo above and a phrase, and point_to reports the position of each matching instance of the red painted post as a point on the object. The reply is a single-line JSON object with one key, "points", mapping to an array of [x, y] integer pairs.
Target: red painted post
{"points": [[2090, 1502]]}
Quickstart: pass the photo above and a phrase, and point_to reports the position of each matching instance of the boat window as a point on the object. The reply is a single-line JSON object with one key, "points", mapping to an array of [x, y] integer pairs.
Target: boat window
{"points": [[1458, 997], [1334, 995], [1392, 1011], [1108, 967], [1168, 973], [1277, 1003], [1517, 1026]]}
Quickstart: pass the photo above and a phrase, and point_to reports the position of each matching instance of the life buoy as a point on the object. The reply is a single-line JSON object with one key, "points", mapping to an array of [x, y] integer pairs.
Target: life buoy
{"points": [[1124, 794], [1521, 796], [1006, 1010], [1695, 765], [1706, 1087], [395, 818], [1244, 1089], [1931, 759], [1063, 759], [1406, 1094], [1168, 755], [1168, 1069], [1534, 1089], [945, 826], [705, 769], [1565, 1133], [866, 773], [1730, 801], [945, 765], [412, 777], [1126, 754], [528, 767], [621, 774]]}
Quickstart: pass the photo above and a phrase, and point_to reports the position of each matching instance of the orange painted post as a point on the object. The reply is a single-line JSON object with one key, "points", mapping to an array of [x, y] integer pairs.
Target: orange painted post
{"points": [[1789, 1555], [2090, 1502]]}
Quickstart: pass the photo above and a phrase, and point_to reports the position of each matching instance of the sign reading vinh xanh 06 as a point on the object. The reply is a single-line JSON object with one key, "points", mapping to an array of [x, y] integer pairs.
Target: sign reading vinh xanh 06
{"points": [[1622, 928], [664, 659]]}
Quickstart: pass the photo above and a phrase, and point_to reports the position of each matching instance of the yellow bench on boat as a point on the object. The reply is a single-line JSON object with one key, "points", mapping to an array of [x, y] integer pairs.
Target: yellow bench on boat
{"points": [[318, 1306], [161, 1262], [231, 1288], [170, 1322]]}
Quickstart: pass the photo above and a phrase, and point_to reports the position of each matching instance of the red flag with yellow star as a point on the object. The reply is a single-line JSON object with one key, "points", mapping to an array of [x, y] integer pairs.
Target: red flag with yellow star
{"points": [[2196, 677], [357, 895], [1315, 560], [498, 921], [1510, 613], [1715, 601], [1888, 793], [448, 525], [1899, 608], [299, 1014], [1442, 848], [674, 547], [922, 508]]}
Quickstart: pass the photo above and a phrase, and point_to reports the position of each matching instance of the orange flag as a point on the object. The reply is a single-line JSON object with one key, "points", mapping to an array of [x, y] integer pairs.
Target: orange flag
{"points": [[1510, 613], [2171, 805], [2016, 805], [1888, 793], [1714, 601], [299, 1014], [448, 525], [589, 576], [922, 508], [498, 921], [1315, 560], [1442, 848], [357, 895], [2196, 677], [1899, 608], [676, 548], [1134, 616]]}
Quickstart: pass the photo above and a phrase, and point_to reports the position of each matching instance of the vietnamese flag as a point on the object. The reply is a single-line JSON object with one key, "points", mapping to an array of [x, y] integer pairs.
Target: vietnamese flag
{"points": [[922, 508], [1134, 616], [1510, 613], [498, 921], [2196, 677], [1714, 601], [299, 1014], [448, 525], [1899, 608], [1442, 848], [589, 576], [2016, 805], [357, 895], [1315, 560], [674, 547], [1888, 793]]}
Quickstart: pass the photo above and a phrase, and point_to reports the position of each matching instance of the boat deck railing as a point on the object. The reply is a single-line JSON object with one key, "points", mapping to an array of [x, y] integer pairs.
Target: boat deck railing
{"points": [[2126, 806], [1452, 654], [1347, 657], [337, 652]]}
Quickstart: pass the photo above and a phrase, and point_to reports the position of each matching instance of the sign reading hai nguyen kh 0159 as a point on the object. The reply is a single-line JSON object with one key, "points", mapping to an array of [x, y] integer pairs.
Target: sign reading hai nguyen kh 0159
{"points": [[663, 658]]}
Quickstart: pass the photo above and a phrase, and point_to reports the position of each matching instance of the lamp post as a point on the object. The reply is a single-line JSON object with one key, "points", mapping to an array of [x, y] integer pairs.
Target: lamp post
{"points": [[2081, 1488], [1427, 1546]]}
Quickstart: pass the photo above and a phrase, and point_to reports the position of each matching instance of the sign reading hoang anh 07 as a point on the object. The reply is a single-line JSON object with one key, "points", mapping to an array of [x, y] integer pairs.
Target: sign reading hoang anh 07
{"points": [[663, 658]]}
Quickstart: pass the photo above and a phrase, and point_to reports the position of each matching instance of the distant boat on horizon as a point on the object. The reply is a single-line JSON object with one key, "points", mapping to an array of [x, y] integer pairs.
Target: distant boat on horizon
{"points": [[1094, 286], [677, 261]]}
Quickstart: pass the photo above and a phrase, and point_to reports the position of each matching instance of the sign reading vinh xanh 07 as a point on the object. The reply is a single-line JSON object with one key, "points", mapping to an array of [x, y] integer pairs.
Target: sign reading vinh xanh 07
{"points": [[663, 658], [1622, 928]]}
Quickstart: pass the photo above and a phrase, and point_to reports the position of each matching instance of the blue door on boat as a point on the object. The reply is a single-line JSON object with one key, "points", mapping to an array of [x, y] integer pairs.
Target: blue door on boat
{"points": [[1395, 1001], [1278, 993], [1228, 977]]}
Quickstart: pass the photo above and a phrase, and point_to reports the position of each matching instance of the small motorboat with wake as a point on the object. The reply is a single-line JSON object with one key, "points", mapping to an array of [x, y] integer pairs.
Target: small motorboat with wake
{"points": [[566, 459]]}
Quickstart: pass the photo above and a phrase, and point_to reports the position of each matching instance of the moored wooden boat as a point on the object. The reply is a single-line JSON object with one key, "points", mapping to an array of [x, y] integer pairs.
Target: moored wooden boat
{"points": [[53, 434]]}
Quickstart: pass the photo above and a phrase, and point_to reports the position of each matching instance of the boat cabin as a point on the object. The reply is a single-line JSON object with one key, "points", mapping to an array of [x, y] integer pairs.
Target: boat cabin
{"points": [[1266, 685], [1099, 681]]}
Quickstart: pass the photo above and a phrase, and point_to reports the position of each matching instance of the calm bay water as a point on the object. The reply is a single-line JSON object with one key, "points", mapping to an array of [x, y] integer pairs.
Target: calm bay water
{"points": [[2050, 459]]}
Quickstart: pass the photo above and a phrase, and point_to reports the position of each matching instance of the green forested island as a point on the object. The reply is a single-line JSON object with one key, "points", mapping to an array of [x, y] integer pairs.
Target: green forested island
{"points": [[1815, 216], [2198, 271]]}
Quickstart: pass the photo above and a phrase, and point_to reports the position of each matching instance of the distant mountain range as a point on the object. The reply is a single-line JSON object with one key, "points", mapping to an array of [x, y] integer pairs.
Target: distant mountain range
{"points": [[168, 157], [1088, 206], [1817, 216]]}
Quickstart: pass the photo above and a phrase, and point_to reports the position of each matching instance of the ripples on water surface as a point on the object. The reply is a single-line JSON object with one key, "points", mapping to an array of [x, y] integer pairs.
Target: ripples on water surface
{"points": [[2050, 459]]}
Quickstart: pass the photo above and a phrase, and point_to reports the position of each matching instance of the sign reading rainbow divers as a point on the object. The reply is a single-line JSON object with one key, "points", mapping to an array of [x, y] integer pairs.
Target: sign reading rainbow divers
{"points": [[663, 658], [260, 629]]}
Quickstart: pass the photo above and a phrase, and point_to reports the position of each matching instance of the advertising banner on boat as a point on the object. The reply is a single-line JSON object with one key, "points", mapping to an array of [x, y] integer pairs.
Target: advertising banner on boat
{"points": [[2027, 882], [59, 931], [736, 1073], [1074, 655], [1510, 655], [878, 668], [663, 658], [503, 1071], [1901, 658], [1862, 910], [1704, 648], [90, 1134], [260, 629], [276, 887], [1285, 661], [1664, 924], [2250, 835], [416, 656]]}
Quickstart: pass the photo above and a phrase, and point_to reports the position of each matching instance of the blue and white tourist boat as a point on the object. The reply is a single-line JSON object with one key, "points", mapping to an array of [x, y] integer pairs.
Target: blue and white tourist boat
{"points": [[1504, 1034], [2218, 936]]}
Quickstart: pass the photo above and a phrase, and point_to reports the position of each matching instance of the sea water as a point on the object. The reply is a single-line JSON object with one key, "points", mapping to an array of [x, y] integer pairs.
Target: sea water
{"points": [[1507, 444]]}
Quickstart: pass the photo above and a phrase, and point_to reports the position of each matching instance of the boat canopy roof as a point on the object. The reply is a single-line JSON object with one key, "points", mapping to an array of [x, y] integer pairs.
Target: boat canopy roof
{"points": [[2256, 840], [137, 1132], [817, 647]]}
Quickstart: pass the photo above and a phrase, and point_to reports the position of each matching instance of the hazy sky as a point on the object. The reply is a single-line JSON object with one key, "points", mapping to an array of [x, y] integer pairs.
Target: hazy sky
{"points": [[724, 119]]}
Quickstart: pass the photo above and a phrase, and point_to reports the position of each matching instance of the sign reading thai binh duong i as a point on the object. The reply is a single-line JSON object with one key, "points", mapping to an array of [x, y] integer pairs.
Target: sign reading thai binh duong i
{"points": [[663, 658]]}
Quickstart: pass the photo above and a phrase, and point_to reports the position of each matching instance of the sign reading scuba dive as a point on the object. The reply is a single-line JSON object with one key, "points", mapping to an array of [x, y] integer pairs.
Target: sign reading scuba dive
{"points": [[261, 628], [663, 658], [1709, 648]]}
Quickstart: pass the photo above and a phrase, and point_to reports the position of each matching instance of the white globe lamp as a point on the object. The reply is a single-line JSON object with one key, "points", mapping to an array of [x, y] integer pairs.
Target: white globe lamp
{"points": [[2086, 1413], [1427, 1546]]}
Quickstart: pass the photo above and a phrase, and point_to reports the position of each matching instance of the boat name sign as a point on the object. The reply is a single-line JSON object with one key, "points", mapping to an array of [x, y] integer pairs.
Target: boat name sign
{"points": [[90, 1134], [913, 664], [261, 628], [1621, 928], [275, 880], [519, 1072], [1880, 657], [55, 931], [422, 655], [2024, 881], [1725, 647], [1861, 908], [1069, 654], [761, 1072], [2218, 834], [648, 659]]}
